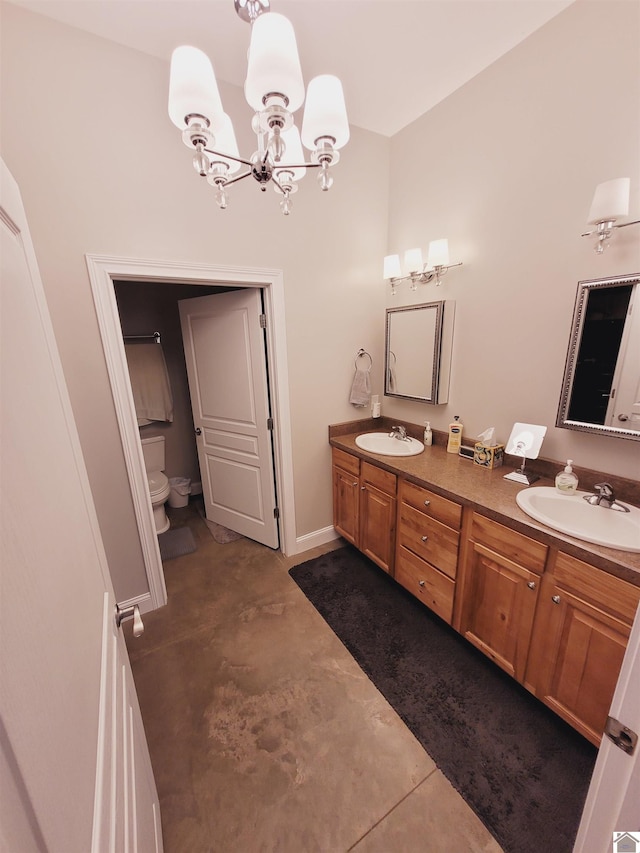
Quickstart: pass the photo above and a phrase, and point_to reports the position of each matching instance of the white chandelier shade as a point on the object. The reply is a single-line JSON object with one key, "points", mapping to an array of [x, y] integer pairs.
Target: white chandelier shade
{"points": [[274, 88], [325, 113], [226, 141], [193, 90], [273, 64]]}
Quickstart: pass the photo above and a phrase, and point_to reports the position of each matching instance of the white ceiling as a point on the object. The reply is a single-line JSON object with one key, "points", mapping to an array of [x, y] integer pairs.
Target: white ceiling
{"points": [[396, 58]]}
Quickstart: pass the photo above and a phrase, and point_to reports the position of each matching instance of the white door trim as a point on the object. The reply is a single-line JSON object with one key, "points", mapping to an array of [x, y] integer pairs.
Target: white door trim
{"points": [[103, 270]]}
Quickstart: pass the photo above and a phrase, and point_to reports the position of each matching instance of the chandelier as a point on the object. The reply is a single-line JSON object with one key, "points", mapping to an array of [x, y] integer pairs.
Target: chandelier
{"points": [[274, 89]]}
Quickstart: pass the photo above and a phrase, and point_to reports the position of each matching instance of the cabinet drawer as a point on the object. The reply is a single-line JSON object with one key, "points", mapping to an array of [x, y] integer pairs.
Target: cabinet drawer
{"points": [[429, 539], [346, 461], [522, 550], [437, 507], [605, 591], [428, 584], [382, 480]]}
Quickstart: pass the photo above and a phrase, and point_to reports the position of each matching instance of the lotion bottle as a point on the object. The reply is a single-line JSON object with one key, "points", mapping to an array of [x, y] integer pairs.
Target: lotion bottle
{"points": [[566, 481], [455, 435], [428, 434]]}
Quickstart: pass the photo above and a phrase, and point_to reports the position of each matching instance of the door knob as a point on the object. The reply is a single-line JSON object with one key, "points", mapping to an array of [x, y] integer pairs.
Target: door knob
{"points": [[198, 431], [123, 613]]}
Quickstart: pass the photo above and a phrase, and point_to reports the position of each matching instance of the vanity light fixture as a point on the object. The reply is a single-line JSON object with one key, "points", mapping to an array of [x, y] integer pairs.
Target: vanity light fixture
{"points": [[415, 270], [610, 201], [274, 88]]}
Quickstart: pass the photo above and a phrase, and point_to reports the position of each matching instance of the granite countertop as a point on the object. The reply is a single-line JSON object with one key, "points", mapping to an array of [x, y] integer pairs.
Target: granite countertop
{"points": [[488, 492]]}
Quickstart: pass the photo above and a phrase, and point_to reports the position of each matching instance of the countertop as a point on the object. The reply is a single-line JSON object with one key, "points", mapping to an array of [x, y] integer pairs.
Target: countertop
{"points": [[490, 494]]}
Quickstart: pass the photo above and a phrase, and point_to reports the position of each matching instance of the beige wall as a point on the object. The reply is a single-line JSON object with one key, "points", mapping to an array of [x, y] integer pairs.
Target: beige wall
{"points": [[102, 170], [505, 168], [509, 166]]}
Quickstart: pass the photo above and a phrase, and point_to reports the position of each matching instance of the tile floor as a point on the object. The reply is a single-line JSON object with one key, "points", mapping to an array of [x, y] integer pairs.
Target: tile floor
{"points": [[265, 736]]}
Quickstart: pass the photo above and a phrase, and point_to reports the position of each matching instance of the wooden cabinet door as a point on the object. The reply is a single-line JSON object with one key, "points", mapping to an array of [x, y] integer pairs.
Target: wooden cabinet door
{"points": [[580, 635], [346, 497], [500, 601], [377, 526], [583, 651]]}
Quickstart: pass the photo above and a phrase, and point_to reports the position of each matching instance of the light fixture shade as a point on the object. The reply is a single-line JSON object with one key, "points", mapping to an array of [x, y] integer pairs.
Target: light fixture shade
{"points": [[325, 112], [610, 201], [438, 253], [225, 141], [273, 64], [391, 267], [293, 153], [193, 89], [413, 260]]}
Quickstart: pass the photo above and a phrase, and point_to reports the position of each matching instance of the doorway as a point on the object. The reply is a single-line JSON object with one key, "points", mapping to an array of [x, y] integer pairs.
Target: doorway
{"points": [[103, 272]]}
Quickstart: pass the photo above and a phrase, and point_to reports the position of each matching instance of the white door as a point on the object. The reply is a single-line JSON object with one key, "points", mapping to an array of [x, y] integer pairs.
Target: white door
{"points": [[74, 763], [224, 349], [624, 406]]}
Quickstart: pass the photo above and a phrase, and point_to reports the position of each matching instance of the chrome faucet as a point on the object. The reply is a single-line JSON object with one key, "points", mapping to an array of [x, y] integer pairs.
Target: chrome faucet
{"points": [[398, 432], [605, 497]]}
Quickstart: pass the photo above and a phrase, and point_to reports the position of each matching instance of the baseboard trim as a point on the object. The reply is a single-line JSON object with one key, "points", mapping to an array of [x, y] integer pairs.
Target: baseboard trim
{"points": [[318, 537]]}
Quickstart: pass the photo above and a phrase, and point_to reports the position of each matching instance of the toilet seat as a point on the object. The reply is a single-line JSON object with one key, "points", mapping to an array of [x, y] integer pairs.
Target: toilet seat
{"points": [[158, 484]]}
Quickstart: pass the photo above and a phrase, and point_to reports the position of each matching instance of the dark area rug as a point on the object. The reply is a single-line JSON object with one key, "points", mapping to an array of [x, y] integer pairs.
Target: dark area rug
{"points": [[523, 771], [176, 543]]}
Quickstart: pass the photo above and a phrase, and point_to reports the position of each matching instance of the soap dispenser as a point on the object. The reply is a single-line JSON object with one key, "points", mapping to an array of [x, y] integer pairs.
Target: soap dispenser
{"points": [[566, 481], [428, 434]]}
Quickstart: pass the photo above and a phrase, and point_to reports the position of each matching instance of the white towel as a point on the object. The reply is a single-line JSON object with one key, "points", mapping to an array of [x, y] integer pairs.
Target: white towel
{"points": [[150, 383], [361, 388]]}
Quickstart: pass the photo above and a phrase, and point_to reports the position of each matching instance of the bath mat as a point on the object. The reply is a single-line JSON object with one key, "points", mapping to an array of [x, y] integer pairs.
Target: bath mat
{"points": [[521, 768], [221, 534], [176, 543]]}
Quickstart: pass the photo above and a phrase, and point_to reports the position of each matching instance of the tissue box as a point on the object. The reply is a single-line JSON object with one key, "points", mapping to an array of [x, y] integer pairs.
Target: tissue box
{"points": [[488, 456]]}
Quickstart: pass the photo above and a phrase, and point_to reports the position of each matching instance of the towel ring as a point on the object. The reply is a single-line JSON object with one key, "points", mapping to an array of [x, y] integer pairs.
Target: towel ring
{"points": [[361, 352]]}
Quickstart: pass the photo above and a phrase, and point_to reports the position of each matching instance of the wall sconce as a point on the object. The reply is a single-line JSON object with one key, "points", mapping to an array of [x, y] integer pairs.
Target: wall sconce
{"points": [[610, 201], [415, 270]]}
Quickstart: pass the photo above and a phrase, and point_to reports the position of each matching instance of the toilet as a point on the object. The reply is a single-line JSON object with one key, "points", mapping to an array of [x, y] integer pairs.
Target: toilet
{"points": [[159, 488]]}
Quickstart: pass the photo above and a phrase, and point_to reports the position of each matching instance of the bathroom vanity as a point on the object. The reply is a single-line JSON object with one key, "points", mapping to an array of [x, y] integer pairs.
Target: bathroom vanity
{"points": [[553, 612]]}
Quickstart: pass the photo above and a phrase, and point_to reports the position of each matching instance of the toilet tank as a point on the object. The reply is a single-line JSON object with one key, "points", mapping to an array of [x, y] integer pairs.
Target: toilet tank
{"points": [[153, 452]]}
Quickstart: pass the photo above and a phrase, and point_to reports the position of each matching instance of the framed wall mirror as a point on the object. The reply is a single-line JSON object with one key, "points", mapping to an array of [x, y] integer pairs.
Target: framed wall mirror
{"points": [[418, 343], [601, 385]]}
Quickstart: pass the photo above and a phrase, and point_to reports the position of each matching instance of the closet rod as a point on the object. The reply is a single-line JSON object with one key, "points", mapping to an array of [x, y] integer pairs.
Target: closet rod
{"points": [[131, 338]]}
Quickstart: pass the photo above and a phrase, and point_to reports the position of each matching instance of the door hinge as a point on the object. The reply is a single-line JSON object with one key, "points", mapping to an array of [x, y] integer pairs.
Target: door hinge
{"points": [[270, 423], [263, 321], [621, 735], [276, 512]]}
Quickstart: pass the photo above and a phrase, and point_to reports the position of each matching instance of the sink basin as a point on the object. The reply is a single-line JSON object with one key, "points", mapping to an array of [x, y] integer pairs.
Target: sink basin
{"points": [[572, 515], [379, 442]]}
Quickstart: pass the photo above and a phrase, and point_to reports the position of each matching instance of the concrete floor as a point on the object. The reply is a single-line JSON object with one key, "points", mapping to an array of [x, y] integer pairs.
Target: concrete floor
{"points": [[264, 733]]}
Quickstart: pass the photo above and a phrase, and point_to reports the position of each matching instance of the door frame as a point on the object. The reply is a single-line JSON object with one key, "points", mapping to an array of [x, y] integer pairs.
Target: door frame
{"points": [[103, 271]]}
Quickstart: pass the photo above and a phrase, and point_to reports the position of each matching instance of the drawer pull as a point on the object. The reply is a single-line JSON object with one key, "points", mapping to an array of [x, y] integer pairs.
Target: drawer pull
{"points": [[531, 584], [420, 583], [424, 538], [427, 503], [555, 599]]}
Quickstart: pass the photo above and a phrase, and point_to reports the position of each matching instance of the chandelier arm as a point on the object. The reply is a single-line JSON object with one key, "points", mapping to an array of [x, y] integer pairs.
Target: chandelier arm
{"points": [[236, 179], [228, 156]]}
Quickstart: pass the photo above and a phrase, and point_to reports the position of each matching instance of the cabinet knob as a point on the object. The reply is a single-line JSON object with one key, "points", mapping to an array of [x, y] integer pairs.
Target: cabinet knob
{"points": [[555, 599], [531, 584], [420, 583], [354, 484], [362, 488], [424, 538], [426, 503]]}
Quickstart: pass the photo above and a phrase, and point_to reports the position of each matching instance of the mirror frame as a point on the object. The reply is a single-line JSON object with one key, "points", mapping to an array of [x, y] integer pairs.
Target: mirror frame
{"points": [[439, 351], [582, 297]]}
